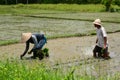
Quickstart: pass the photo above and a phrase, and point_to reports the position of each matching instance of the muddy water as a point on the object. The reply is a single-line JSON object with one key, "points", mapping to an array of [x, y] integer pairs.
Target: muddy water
{"points": [[74, 51]]}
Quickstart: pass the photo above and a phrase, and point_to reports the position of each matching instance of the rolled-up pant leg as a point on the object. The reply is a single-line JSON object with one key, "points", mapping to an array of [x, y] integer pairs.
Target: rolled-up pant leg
{"points": [[35, 54], [96, 50]]}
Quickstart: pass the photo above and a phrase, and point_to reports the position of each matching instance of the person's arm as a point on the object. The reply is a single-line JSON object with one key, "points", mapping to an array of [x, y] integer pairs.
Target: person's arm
{"points": [[105, 42], [35, 43], [104, 36], [26, 49]]}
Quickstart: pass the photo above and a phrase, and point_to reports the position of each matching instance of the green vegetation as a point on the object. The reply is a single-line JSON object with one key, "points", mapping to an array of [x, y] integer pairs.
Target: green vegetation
{"points": [[37, 8], [43, 8], [7, 2], [7, 42], [21, 70]]}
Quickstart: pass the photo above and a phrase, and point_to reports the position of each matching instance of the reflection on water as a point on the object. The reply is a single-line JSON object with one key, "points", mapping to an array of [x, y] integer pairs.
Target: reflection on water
{"points": [[86, 51]]}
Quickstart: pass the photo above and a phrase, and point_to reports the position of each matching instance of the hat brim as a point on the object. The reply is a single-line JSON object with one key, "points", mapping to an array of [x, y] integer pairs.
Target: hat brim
{"points": [[25, 37], [96, 23]]}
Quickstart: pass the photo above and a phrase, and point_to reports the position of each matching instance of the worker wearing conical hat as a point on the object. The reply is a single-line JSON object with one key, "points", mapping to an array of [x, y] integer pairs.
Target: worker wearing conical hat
{"points": [[37, 39]]}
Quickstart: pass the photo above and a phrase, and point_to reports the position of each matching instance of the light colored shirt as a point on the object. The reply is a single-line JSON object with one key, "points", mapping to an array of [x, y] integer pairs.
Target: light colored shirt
{"points": [[101, 33]]}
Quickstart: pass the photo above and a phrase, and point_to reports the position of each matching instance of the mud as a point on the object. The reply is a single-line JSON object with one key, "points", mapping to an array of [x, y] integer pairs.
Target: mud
{"points": [[73, 51]]}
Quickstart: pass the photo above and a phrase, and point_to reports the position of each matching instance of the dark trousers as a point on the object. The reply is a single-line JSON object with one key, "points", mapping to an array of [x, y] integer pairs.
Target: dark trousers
{"points": [[100, 51]]}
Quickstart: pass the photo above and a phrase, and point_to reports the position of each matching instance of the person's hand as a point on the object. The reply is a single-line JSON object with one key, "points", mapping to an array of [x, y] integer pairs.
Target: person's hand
{"points": [[96, 40], [103, 49], [21, 56], [104, 46]]}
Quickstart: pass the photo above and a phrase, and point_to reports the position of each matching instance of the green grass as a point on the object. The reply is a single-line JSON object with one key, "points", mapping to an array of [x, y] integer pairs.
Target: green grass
{"points": [[44, 8], [37, 8], [7, 42], [70, 7], [20, 70]]}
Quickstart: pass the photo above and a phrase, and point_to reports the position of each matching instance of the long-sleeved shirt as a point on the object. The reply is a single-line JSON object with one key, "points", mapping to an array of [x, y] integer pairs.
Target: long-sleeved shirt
{"points": [[34, 39]]}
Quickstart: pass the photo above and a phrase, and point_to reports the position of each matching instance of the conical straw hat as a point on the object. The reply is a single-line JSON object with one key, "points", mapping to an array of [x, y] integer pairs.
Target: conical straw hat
{"points": [[97, 22], [25, 37]]}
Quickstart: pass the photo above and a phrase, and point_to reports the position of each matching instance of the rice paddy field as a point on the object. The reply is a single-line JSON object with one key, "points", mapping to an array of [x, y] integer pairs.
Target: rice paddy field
{"points": [[10, 25], [71, 39]]}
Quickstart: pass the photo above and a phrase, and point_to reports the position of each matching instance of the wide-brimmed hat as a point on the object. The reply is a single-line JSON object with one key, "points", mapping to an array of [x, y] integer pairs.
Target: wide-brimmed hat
{"points": [[97, 22], [25, 37]]}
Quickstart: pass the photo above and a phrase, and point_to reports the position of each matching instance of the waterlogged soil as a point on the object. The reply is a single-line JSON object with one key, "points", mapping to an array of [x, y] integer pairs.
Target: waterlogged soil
{"points": [[74, 51]]}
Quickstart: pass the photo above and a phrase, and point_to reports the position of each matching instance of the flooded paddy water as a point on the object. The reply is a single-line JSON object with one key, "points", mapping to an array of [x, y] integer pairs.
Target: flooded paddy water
{"points": [[74, 51]]}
